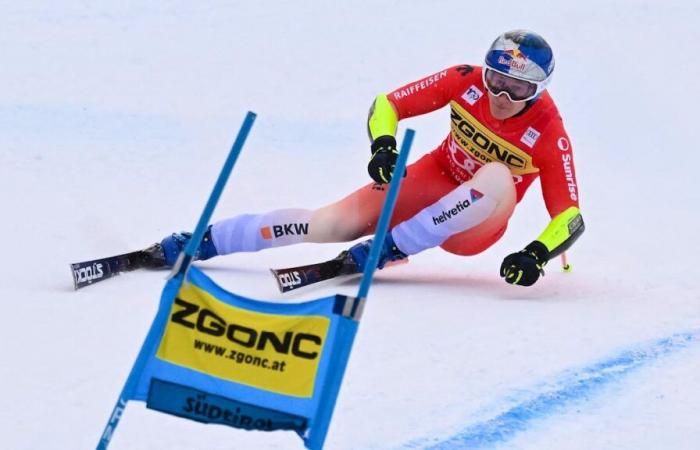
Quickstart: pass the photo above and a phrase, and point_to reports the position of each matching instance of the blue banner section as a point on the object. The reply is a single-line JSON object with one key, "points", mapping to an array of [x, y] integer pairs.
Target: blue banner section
{"points": [[203, 407], [217, 357]]}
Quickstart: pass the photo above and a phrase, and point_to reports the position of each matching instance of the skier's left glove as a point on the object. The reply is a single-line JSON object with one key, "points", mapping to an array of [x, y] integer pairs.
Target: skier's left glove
{"points": [[526, 266]]}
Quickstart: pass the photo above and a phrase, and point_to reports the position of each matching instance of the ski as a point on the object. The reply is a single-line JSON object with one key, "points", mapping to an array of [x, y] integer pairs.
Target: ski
{"points": [[87, 273], [297, 277], [293, 278]]}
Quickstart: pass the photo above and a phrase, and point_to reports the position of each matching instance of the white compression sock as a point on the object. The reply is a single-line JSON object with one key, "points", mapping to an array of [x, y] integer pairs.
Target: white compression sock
{"points": [[460, 210], [253, 232]]}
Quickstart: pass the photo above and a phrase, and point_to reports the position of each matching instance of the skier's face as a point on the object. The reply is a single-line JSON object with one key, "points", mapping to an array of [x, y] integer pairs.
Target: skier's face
{"points": [[502, 108]]}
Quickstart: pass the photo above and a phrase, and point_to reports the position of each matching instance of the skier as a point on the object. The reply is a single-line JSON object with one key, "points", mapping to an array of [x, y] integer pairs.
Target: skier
{"points": [[505, 131]]}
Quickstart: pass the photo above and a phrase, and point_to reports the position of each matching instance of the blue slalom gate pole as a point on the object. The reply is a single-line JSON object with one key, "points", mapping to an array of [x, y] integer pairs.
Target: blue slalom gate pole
{"points": [[176, 278], [385, 216], [185, 258], [317, 438]]}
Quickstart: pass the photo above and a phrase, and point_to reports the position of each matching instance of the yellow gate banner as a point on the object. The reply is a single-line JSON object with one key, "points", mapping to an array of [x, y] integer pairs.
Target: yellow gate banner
{"points": [[274, 352]]}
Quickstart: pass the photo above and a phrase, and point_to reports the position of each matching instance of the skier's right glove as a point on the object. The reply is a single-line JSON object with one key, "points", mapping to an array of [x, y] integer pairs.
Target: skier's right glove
{"points": [[384, 155], [526, 266]]}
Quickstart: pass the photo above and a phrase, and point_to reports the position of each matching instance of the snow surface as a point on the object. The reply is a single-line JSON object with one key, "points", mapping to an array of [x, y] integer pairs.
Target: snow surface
{"points": [[115, 117]]}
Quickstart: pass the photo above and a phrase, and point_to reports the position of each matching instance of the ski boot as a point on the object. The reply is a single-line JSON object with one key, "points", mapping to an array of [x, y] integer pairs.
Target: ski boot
{"points": [[166, 252], [358, 254]]}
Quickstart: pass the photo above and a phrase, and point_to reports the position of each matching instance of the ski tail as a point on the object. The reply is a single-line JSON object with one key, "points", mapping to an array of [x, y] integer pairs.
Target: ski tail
{"points": [[293, 278], [90, 272]]}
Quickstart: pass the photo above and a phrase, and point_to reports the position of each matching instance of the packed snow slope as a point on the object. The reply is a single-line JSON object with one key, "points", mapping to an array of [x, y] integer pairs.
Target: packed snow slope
{"points": [[115, 117]]}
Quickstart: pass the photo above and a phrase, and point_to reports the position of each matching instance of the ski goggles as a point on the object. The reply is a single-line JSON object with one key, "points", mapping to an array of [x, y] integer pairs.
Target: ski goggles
{"points": [[516, 89]]}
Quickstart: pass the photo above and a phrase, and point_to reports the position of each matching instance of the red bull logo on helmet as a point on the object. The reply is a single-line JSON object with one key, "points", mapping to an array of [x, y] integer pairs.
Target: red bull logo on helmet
{"points": [[513, 64], [515, 59]]}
